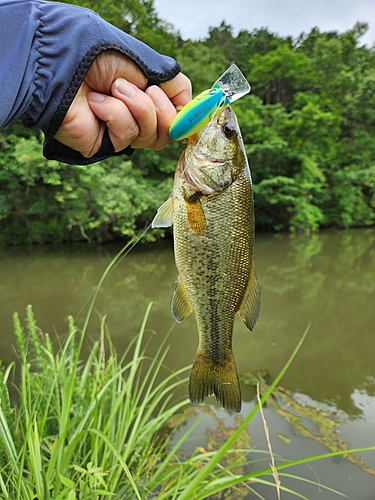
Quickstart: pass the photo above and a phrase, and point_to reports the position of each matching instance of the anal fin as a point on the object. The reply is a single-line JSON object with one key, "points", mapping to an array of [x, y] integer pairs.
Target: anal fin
{"points": [[250, 305]]}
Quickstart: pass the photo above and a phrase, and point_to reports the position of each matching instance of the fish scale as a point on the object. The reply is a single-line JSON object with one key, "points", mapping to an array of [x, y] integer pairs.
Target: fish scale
{"points": [[213, 244]]}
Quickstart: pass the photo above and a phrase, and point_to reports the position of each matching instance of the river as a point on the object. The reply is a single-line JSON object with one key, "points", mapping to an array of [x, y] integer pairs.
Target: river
{"points": [[327, 280]]}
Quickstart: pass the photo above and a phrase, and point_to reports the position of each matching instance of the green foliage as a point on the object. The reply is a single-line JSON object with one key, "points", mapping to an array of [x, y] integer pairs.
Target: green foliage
{"points": [[277, 75], [308, 127], [46, 201], [138, 18], [111, 199], [202, 64], [28, 211]]}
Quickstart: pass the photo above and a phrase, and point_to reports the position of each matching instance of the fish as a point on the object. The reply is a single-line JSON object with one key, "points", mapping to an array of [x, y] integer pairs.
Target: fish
{"points": [[212, 212]]}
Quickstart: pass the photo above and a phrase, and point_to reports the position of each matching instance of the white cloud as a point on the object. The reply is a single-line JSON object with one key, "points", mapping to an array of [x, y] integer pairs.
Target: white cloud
{"points": [[291, 17]]}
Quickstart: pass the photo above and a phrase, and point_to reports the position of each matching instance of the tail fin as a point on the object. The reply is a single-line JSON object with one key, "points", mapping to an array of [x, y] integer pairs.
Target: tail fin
{"points": [[208, 377]]}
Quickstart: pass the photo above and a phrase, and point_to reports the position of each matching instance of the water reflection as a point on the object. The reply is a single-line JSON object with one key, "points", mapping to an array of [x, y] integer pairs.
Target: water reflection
{"points": [[336, 473], [328, 279]]}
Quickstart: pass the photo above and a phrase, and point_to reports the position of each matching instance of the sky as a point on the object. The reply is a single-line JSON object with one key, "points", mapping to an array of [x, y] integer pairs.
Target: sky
{"points": [[192, 18]]}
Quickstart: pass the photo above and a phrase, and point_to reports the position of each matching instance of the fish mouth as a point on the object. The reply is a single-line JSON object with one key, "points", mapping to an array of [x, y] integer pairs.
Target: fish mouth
{"points": [[206, 160]]}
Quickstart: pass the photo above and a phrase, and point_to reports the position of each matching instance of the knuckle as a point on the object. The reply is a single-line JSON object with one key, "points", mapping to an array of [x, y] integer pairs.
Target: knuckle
{"points": [[159, 145], [145, 141], [131, 133]]}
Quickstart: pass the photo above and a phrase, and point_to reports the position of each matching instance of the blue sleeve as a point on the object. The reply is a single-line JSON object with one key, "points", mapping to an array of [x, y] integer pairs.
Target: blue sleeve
{"points": [[46, 49]]}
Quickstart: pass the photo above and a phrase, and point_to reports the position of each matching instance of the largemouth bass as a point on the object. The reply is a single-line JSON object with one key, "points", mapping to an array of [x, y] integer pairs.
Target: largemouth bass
{"points": [[212, 210]]}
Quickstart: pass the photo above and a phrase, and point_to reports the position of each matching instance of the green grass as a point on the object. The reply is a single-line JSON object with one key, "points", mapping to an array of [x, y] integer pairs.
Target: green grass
{"points": [[101, 427], [83, 429]]}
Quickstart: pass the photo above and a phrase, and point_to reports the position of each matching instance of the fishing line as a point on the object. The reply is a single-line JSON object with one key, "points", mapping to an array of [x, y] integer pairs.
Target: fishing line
{"points": [[118, 259], [129, 249]]}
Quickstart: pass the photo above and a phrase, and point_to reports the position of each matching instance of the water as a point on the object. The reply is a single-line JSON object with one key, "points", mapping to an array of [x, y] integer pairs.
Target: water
{"points": [[328, 280]]}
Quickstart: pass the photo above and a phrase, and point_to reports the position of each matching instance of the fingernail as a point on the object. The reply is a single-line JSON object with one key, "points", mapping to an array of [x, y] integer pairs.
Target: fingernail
{"points": [[158, 97], [124, 87], [95, 97]]}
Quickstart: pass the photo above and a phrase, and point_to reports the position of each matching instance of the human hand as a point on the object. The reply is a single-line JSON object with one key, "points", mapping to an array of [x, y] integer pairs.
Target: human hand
{"points": [[114, 95]]}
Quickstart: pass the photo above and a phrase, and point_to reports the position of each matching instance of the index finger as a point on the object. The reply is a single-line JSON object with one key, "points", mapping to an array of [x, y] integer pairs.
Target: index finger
{"points": [[178, 90]]}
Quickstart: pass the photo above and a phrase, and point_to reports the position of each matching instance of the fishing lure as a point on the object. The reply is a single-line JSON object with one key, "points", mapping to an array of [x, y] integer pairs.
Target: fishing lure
{"points": [[204, 107]]}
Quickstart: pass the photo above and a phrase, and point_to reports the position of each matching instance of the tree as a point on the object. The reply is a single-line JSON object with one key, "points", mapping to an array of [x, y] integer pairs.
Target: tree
{"points": [[202, 64], [308, 127], [279, 74], [138, 18]]}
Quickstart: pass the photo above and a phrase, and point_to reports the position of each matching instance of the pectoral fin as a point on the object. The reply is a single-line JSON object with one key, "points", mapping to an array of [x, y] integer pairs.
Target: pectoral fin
{"points": [[250, 305], [181, 306], [195, 216], [164, 216]]}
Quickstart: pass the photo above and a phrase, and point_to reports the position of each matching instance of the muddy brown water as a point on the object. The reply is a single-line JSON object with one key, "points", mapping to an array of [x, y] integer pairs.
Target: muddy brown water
{"points": [[328, 280]]}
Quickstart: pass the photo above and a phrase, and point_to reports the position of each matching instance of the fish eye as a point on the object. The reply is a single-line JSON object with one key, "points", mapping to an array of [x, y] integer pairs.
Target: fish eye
{"points": [[228, 130]]}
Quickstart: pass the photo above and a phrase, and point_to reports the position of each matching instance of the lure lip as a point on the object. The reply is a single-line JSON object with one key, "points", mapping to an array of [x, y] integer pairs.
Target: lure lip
{"points": [[233, 83]]}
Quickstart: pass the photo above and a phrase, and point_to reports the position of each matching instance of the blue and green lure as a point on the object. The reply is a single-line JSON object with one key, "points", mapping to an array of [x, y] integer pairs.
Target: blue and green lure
{"points": [[204, 107]]}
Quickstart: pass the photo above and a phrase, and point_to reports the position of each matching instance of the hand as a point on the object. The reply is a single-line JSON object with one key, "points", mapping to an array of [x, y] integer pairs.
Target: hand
{"points": [[114, 95]]}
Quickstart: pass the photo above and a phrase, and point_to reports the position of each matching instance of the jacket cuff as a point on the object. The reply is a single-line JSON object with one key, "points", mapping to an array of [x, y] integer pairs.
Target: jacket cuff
{"points": [[53, 149]]}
